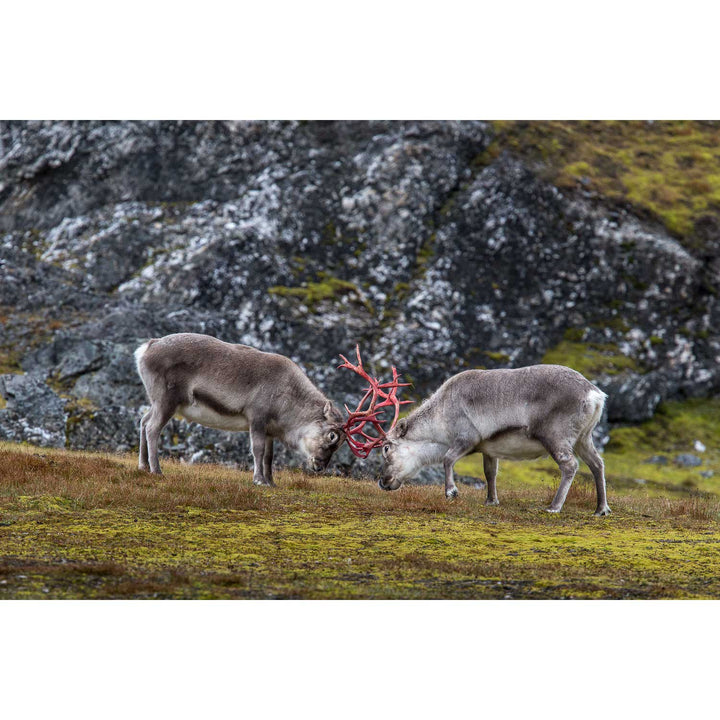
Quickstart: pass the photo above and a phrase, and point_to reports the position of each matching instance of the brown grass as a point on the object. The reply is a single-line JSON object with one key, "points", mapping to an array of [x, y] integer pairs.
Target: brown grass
{"points": [[91, 525], [94, 481]]}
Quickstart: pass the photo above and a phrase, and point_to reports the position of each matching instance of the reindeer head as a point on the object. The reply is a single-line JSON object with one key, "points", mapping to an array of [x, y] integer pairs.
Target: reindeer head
{"points": [[379, 396], [401, 459], [323, 438]]}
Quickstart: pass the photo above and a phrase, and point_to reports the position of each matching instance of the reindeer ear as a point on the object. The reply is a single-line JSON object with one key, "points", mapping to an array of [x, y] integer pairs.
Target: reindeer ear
{"points": [[329, 411], [401, 427]]}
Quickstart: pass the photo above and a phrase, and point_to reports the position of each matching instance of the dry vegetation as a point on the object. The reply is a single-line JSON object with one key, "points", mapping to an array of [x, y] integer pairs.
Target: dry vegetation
{"points": [[77, 525]]}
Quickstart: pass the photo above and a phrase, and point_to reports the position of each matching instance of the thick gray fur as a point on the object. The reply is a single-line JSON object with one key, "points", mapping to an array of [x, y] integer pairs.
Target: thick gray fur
{"points": [[515, 414], [235, 387]]}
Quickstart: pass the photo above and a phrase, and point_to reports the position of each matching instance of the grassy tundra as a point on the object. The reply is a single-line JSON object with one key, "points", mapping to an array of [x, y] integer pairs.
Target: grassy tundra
{"points": [[77, 525]]}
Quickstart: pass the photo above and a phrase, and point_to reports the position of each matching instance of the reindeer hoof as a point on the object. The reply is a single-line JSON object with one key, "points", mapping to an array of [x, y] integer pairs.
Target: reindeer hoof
{"points": [[263, 483], [492, 502], [553, 510], [452, 494], [602, 512]]}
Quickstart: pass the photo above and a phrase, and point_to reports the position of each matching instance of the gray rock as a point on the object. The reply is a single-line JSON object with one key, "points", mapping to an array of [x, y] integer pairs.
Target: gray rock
{"points": [[66, 357], [33, 412], [688, 460], [433, 475], [657, 460], [633, 398], [108, 428]]}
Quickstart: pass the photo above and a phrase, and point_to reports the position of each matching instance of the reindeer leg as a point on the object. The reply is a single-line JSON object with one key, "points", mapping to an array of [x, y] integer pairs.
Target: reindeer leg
{"points": [[153, 425], [589, 455], [490, 468], [258, 442], [143, 463], [267, 461], [458, 450], [563, 455]]}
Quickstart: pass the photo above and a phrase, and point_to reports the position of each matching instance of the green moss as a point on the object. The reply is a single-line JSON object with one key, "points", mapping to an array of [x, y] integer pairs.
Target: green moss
{"points": [[330, 233], [579, 169], [485, 158], [426, 252], [574, 334], [401, 291], [293, 553], [675, 427], [673, 430], [9, 362], [537, 473], [591, 359], [615, 323], [298, 265], [498, 357], [47, 503], [327, 288], [669, 170]]}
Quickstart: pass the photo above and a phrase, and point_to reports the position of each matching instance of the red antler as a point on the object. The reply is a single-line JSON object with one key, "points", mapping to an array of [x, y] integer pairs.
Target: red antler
{"points": [[355, 424]]}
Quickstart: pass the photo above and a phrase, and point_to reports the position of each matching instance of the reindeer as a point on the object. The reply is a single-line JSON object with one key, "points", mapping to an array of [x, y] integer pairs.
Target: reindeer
{"points": [[518, 414], [239, 388]]}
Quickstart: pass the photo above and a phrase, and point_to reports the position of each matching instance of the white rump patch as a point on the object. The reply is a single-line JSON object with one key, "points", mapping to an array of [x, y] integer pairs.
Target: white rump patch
{"points": [[140, 352]]}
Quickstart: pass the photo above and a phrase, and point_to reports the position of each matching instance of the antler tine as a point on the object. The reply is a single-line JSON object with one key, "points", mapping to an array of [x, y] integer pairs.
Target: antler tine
{"points": [[385, 393], [360, 370], [390, 398], [348, 364]]}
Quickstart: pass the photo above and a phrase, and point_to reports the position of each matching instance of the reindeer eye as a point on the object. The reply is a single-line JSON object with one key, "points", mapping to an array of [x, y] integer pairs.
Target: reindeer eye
{"points": [[386, 448], [332, 436]]}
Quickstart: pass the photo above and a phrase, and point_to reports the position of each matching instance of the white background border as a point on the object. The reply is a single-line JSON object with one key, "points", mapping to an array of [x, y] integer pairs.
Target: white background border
{"points": [[308, 60]]}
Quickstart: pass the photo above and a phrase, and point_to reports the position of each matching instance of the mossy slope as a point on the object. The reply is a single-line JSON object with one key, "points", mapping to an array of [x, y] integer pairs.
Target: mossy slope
{"points": [[75, 525], [670, 170]]}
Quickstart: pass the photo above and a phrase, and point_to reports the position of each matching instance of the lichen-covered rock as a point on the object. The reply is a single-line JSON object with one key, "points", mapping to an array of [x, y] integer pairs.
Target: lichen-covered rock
{"points": [[307, 238], [114, 427], [32, 413]]}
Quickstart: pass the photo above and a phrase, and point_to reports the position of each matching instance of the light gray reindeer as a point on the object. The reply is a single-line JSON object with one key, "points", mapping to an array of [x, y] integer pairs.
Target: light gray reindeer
{"points": [[518, 414], [235, 387]]}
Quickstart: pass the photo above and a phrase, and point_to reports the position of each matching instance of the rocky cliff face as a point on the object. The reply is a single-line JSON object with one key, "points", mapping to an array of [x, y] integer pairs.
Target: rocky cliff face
{"points": [[305, 239]]}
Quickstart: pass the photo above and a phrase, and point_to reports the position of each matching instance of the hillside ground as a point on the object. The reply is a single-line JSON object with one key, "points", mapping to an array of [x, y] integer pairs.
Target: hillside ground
{"points": [[80, 525], [668, 171]]}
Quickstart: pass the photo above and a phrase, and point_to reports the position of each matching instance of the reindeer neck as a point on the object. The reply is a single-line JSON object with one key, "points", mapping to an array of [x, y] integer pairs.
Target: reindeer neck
{"points": [[422, 424], [308, 400]]}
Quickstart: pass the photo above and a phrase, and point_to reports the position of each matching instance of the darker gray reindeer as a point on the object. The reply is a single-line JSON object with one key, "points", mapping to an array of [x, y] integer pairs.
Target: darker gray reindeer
{"points": [[235, 387]]}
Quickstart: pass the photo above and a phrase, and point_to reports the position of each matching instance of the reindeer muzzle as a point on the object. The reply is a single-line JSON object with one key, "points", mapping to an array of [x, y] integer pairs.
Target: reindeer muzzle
{"points": [[317, 465], [389, 484]]}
